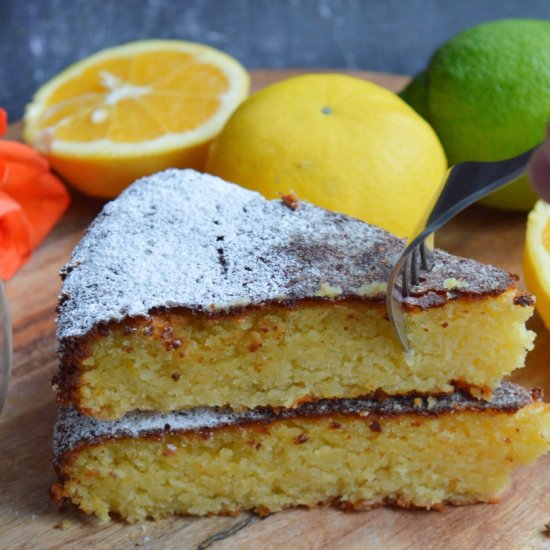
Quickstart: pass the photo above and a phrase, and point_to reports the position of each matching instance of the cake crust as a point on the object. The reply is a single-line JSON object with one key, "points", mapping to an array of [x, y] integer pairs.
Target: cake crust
{"points": [[184, 239]]}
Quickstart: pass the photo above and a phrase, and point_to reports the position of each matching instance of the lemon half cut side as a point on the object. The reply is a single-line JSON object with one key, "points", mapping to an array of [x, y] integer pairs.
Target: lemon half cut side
{"points": [[132, 110]]}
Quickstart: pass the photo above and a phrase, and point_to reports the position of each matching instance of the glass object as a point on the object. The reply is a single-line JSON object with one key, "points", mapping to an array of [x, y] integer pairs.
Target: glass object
{"points": [[5, 347]]}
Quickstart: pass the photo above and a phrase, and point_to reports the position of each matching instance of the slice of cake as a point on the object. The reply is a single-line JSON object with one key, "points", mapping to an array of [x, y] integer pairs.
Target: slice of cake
{"points": [[189, 291], [356, 454]]}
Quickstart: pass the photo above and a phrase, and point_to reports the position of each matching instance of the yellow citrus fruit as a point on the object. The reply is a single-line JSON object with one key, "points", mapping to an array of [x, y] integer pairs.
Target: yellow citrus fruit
{"points": [[536, 258], [342, 143], [132, 110]]}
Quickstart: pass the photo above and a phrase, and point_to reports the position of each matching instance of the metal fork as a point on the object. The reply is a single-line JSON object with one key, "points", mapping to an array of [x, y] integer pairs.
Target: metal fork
{"points": [[466, 183]]}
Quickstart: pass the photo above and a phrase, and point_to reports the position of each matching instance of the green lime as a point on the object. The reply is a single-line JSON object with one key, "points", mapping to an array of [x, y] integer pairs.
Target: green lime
{"points": [[486, 93]]}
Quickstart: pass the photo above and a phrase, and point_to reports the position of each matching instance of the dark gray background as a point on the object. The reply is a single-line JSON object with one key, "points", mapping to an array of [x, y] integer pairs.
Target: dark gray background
{"points": [[41, 37]]}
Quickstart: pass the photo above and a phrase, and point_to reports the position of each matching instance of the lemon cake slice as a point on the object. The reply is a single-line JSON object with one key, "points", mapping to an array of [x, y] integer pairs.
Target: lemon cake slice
{"points": [[409, 451], [190, 291]]}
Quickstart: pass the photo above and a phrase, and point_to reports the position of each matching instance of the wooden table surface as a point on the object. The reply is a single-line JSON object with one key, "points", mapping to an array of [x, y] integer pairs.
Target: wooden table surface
{"points": [[28, 520]]}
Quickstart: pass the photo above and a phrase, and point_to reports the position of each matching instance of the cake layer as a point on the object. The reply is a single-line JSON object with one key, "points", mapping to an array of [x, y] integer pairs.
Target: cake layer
{"points": [[190, 291], [408, 451], [284, 355]]}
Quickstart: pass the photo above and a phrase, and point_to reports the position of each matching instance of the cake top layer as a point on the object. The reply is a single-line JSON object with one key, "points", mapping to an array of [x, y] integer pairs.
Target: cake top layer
{"points": [[184, 239], [74, 429]]}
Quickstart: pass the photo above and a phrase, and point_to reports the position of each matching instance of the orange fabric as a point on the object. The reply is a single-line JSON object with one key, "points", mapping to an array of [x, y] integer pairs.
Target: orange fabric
{"points": [[32, 200]]}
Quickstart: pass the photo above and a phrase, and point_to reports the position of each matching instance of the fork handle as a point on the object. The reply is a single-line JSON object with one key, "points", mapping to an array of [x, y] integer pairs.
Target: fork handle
{"points": [[467, 183]]}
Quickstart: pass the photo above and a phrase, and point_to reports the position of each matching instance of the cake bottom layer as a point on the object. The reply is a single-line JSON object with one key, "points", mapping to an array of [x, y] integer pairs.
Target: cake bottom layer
{"points": [[355, 454]]}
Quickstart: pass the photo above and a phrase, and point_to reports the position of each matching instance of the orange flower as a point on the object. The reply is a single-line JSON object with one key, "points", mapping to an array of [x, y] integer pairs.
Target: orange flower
{"points": [[32, 200]]}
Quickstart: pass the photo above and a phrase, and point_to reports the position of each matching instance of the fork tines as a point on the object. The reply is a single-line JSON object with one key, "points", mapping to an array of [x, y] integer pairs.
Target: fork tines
{"points": [[418, 259]]}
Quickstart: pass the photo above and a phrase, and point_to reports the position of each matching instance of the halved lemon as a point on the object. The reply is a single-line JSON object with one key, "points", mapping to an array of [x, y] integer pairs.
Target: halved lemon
{"points": [[133, 110], [536, 258]]}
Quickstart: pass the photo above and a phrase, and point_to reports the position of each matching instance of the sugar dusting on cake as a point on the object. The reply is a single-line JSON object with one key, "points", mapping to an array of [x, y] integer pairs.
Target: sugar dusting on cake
{"points": [[184, 239], [73, 428]]}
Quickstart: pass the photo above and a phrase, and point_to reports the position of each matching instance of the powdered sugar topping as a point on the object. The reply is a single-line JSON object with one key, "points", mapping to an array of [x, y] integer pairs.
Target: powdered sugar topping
{"points": [[184, 239]]}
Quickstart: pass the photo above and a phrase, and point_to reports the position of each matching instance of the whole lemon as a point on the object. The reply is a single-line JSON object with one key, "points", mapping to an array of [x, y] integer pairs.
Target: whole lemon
{"points": [[486, 92], [342, 143]]}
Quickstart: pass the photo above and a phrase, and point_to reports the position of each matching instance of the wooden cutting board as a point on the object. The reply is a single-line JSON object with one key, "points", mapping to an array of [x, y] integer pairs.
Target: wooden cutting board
{"points": [[28, 520]]}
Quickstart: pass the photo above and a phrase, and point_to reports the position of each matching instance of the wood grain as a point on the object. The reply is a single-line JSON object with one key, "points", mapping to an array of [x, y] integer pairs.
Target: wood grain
{"points": [[28, 520]]}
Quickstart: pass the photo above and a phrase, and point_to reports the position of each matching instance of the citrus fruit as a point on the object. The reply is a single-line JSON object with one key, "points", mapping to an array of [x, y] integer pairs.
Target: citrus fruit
{"points": [[485, 92], [536, 258], [342, 143], [132, 110]]}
